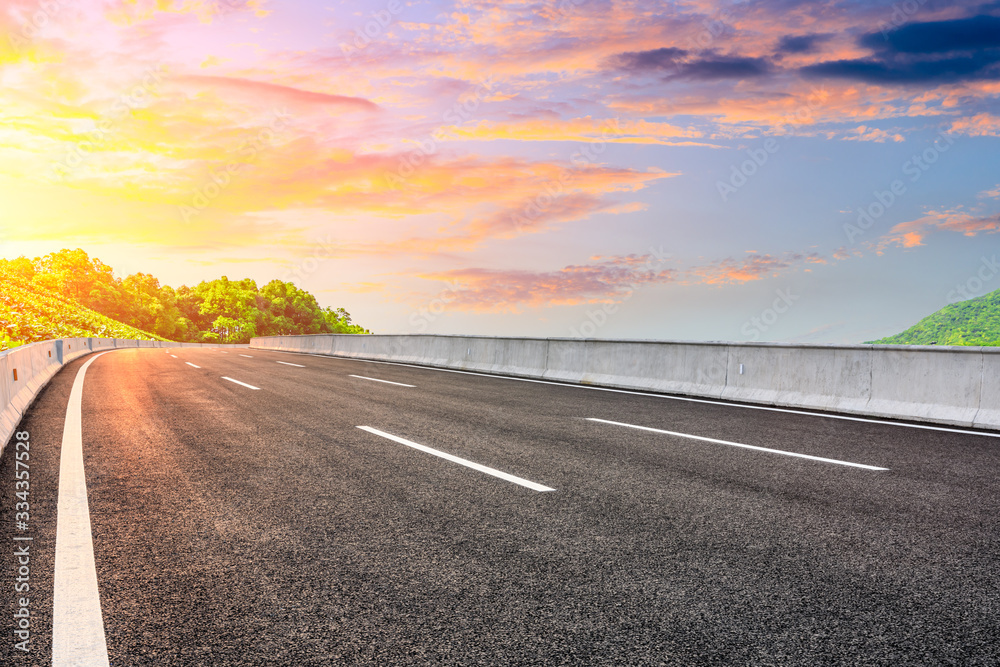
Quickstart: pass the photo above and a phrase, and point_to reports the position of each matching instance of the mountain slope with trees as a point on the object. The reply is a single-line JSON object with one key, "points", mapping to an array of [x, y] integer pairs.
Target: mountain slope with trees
{"points": [[29, 314], [68, 293], [972, 322]]}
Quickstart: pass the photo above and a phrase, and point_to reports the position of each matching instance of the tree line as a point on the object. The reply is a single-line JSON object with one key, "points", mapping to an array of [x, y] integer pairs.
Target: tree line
{"points": [[221, 310]]}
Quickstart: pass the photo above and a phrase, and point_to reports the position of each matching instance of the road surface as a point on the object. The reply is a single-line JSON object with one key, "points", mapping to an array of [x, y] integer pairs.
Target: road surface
{"points": [[262, 508]]}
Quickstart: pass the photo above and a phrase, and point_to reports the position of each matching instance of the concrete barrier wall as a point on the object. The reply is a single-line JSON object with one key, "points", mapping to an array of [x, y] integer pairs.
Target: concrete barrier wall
{"points": [[939, 384], [35, 364], [819, 377], [989, 397], [931, 384], [25, 371]]}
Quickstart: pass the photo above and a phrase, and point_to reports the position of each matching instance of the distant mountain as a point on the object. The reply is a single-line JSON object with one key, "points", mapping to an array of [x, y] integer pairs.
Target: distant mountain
{"points": [[972, 322]]}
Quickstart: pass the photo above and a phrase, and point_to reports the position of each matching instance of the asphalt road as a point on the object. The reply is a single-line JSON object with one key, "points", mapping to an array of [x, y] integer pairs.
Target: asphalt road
{"points": [[240, 526]]}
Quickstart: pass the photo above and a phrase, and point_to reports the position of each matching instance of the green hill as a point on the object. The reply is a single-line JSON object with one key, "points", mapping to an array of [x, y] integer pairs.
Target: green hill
{"points": [[68, 293], [972, 322], [28, 314]]}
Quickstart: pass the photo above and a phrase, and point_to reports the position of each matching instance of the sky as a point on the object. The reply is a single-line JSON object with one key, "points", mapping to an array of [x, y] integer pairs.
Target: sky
{"points": [[813, 172]]}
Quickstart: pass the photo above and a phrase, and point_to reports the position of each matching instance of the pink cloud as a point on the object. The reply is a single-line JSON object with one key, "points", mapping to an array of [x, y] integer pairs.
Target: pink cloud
{"points": [[602, 280], [276, 94], [609, 280]]}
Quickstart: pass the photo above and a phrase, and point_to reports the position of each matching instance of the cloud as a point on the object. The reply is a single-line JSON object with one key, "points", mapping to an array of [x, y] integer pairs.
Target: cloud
{"points": [[675, 63], [843, 252], [979, 125], [755, 266], [274, 93], [968, 34], [607, 281], [865, 133], [993, 193], [950, 51], [801, 43], [603, 280], [611, 130], [978, 67], [913, 233], [506, 199], [561, 71], [708, 69], [664, 58], [133, 12]]}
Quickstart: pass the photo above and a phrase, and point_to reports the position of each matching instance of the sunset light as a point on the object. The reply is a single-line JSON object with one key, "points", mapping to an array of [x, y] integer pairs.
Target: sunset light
{"points": [[520, 163]]}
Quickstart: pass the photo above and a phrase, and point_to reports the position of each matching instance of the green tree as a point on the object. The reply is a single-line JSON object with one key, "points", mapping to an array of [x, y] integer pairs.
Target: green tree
{"points": [[144, 308], [231, 311], [90, 282], [234, 307], [288, 309], [972, 322], [339, 321]]}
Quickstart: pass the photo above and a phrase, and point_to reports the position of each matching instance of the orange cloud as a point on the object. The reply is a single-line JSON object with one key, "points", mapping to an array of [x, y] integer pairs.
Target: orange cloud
{"points": [[980, 125], [508, 198], [587, 129], [912, 233], [755, 266]]}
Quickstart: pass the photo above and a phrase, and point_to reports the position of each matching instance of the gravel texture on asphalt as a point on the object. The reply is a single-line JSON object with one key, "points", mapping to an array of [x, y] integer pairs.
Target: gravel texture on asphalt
{"points": [[242, 527]]}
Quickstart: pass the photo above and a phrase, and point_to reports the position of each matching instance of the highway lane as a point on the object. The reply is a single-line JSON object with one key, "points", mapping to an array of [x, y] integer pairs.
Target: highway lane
{"points": [[262, 526]]}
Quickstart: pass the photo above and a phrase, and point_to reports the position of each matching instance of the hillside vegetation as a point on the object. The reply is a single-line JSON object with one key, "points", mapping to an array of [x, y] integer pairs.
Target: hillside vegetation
{"points": [[972, 322], [67, 294], [28, 315]]}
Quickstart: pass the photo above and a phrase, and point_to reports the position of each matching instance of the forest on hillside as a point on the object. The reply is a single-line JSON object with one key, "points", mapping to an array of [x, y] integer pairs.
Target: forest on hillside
{"points": [[70, 293], [972, 322]]}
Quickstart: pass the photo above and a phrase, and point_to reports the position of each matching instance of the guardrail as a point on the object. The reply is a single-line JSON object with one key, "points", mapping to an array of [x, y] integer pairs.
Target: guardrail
{"points": [[26, 370], [940, 384]]}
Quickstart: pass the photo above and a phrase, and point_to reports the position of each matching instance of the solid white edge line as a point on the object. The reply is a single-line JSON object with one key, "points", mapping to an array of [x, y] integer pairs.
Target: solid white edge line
{"points": [[77, 622], [739, 444], [455, 459], [671, 397], [248, 356], [191, 365], [243, 384], [362, 377], [289, 364]]}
